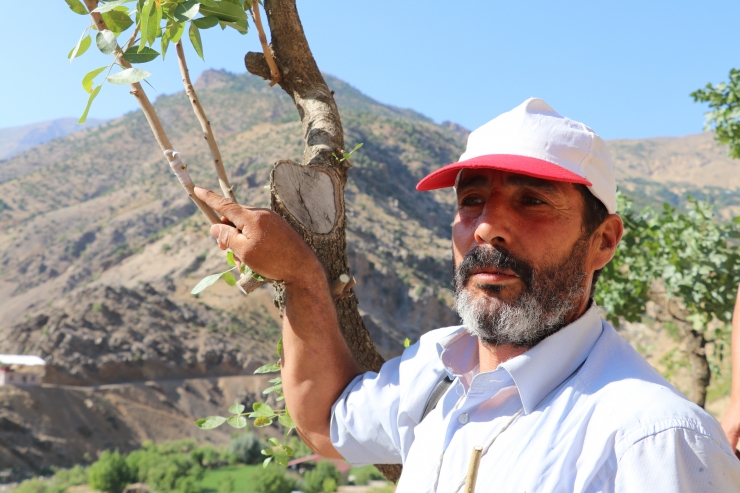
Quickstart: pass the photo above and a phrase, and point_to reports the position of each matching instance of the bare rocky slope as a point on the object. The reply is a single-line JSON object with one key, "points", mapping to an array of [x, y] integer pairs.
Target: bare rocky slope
{"points": [[99, 249]]}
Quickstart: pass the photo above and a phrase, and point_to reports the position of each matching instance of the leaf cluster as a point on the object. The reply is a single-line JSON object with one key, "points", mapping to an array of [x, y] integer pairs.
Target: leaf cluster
{"points": [[724, 114], [696, 258], [163, 20], [263, 415]]}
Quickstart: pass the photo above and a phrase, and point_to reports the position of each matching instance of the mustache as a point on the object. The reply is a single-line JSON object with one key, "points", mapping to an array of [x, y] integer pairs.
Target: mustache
{"points": [[497, 257]]}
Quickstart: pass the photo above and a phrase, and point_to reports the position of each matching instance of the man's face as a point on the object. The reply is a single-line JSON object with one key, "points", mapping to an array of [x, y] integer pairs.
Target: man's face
{"points": [[521, 256]]}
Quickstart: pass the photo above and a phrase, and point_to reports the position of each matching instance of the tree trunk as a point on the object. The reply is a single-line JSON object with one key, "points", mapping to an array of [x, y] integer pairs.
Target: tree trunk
{"points": [[695, 343], [310, 195], [672, 310]]}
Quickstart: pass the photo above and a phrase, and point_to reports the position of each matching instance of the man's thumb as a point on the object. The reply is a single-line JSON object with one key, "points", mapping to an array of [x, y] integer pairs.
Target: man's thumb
{"points": [[226, 235]]}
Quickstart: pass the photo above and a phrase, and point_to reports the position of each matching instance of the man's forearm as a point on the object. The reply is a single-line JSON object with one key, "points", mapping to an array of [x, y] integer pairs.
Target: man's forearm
{"points": [[317, 364]]}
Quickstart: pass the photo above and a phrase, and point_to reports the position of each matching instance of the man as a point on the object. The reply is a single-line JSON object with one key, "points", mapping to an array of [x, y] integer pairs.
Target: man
{"points": [[552, 396]]}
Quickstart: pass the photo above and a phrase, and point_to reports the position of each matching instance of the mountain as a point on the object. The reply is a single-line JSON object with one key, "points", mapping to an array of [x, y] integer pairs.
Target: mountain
{"points": [[14, 140], [99, 247]]}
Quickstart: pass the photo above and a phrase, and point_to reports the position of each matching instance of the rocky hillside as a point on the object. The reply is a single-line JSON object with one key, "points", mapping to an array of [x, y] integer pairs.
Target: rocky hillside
{"points": [[88, 218], [17, 139], [99, 249]]}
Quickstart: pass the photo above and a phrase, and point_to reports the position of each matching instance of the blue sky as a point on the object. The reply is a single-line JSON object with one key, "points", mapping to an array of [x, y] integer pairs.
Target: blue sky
{"points": [[625, 68]]}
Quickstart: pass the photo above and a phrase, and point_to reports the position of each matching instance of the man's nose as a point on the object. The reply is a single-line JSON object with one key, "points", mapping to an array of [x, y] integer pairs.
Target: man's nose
{"points": [[494, 224]]}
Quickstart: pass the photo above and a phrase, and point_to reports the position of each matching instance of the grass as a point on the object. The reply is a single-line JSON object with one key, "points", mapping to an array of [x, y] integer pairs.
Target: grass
{"points": [[243, 477]]}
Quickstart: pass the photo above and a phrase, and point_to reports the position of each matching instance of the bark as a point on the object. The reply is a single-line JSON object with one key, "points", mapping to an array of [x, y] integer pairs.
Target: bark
{"points": [[310, 195], [671, 310]]}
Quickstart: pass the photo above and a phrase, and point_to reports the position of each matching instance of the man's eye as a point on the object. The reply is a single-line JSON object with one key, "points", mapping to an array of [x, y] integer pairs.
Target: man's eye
{"points": [[471, 201], [529, 200]]}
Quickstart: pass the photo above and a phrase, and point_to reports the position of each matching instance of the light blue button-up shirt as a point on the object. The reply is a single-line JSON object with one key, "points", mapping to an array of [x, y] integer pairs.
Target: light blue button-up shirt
{"points": [[595, 418]]}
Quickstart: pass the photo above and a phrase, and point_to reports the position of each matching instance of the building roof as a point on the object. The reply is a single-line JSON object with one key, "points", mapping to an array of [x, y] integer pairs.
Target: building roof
{"points": [[21, 359]]}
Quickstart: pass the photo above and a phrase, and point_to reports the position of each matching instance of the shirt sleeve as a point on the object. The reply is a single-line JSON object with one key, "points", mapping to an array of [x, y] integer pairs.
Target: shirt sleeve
{"points": [[677, 460], [374, 419]]}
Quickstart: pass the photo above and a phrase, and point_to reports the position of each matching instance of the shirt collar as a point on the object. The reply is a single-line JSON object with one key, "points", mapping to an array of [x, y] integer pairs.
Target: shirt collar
{"points": [[537, 372]]}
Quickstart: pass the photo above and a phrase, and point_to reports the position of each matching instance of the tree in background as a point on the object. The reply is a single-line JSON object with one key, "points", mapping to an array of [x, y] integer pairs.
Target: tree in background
{"points": [[688, 264], [272, 479], [110, 473], [724, 115], [323, 477], [246, 448]]}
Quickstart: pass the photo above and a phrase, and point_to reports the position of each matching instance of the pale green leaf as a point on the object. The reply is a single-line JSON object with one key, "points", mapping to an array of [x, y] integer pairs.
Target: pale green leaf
{"points": [[406, 342], [134, 55], [229, 278], [237, 421], [87, 81], [230, 259], [257, 277], [286, 421], [205, 282], [93, 95], [82, 45], [266, 451], [128, 76], [237, 408], [77, 7], [262, 422], [240, 26], [106, 42], [194, 34], [108, 6], [273, 441], [224, 11], [206, 22], [210, 422], [266, 462], [185, 11], [117, 21], [262, 409], [272, 368]]}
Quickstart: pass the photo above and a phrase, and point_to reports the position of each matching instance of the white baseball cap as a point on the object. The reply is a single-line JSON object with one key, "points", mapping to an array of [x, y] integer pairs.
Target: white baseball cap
{"points": [[533, 139]]}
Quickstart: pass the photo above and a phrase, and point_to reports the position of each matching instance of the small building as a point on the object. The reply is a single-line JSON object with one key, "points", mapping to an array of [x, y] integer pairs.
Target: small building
{"points": [[21, 369]]}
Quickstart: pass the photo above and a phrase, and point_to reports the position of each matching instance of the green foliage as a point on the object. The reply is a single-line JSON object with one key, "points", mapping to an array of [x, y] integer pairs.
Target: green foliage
{"points": [[724, 114], [245, 447], [329, 485], [33, 485], [168, 468], [110, 473], [695, 257], [155, 19], [363, 475], [315, 480], [274, 480]]}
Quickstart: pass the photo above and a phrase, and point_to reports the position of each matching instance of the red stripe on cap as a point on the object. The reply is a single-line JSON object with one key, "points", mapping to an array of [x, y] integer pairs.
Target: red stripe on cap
{"points": [[523, 165]]}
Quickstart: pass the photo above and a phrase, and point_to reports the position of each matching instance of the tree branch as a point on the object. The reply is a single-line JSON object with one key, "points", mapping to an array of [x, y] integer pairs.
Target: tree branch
{"points": [[275, 75], [205, 125], [151, 116]]}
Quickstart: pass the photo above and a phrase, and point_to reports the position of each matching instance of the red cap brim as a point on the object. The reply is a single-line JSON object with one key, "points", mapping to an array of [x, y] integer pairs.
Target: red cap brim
{"points": [[523, 165]]}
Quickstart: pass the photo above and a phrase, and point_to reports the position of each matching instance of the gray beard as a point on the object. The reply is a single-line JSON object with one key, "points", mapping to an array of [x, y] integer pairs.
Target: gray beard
{"points": [[549, 297]]}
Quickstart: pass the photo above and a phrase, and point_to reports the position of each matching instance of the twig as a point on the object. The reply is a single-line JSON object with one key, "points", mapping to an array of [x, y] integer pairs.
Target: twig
{"points": [[151, 116], [276, 76], [223, 180]]}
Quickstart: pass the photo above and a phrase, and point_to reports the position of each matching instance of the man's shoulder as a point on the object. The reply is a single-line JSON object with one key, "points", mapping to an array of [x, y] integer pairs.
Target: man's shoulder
{"points": [[631, 398]]}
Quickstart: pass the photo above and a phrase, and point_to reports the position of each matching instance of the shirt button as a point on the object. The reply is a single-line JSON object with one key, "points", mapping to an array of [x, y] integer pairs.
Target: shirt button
{"points": [[463, 419]]}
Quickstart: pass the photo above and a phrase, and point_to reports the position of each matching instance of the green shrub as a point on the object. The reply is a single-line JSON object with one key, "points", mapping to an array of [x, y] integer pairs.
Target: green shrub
{"points": [[34, 485], [272, 479], [246, 448], [314, 480], [206, 456], [365, 474], [167, 468], [109, 473], [329, 485]]}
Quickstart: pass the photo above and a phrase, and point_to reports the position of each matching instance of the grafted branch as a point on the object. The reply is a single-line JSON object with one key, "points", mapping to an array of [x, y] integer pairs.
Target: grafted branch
{"points": [[151, 117], [274, 70], [205, 124]]}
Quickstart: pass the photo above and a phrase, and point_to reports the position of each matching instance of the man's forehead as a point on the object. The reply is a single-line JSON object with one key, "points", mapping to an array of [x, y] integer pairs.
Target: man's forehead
{"points": [[482, 177]]}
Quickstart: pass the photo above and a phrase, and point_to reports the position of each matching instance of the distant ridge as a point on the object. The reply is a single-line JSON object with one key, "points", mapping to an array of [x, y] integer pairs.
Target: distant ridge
{"points": [[14, 140]]}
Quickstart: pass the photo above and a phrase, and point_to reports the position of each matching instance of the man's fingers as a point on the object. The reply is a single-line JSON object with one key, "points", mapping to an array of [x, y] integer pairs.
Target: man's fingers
{"points": [[223, 206], [229, 237]]}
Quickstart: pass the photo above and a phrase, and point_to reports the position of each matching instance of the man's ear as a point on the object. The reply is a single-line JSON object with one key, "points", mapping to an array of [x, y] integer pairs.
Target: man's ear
{"points": [[605, 241]]}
